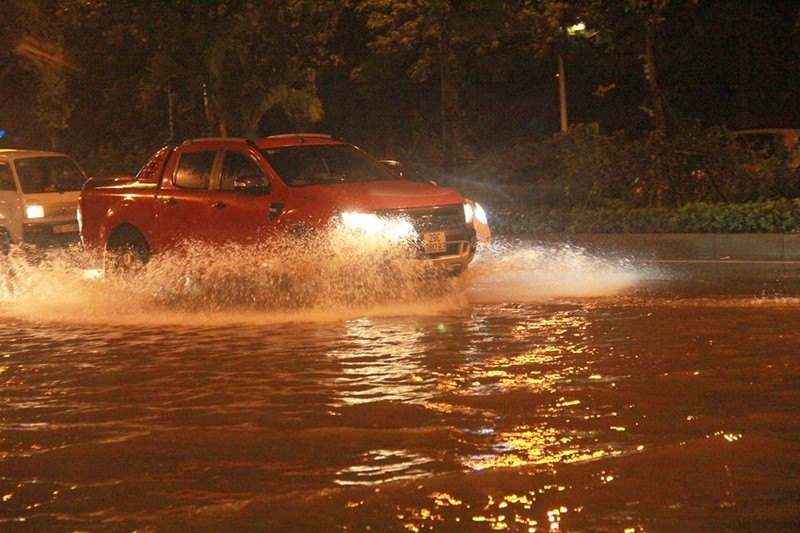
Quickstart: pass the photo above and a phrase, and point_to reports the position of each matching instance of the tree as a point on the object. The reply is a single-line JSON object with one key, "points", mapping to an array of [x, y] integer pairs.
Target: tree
{"points": [[550, 22], [153, 71], [33, 76], [415, 36]]}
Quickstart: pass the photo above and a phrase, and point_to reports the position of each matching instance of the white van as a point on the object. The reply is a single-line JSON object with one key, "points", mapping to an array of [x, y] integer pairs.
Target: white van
{"points": [[38, 197]]}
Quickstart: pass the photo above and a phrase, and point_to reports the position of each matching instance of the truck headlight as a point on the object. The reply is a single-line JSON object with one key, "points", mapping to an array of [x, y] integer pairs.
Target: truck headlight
{"points": [[372, 224], [34, 211], [474, 212], [480, 214], [369, 223], [469, 212]]}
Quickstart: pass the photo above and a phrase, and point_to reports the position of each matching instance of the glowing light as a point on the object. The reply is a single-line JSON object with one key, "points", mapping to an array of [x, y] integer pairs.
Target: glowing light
{"points": [[469, 212], [372, 224], [576, 28], [480, 214], [92, 273], [34, 211]]}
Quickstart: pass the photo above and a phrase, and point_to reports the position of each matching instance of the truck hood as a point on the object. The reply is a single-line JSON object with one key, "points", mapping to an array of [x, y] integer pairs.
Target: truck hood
{"points": [[389, 194]]}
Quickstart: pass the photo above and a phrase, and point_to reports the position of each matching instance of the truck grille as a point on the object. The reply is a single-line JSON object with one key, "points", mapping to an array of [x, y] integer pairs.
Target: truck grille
{"points": [[439, 218]]}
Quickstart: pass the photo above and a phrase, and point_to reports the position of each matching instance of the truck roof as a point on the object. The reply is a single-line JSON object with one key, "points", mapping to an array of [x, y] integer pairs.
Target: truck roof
{"points": [[272, 141], [296, 139]]}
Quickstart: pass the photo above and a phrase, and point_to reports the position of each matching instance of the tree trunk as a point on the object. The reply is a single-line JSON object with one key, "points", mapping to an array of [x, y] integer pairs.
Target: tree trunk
{"points": [[650, 74], [449, 104], [562, 93]]}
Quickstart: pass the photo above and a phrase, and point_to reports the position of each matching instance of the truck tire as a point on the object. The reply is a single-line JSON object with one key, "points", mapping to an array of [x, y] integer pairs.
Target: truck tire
{"points": [[126, 254]]}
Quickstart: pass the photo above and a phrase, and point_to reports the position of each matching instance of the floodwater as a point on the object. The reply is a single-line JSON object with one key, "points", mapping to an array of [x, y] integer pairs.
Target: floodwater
{"points": [[545, 390]]}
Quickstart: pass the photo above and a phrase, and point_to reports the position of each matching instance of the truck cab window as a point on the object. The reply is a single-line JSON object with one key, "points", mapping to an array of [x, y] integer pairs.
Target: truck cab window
{"points": [[194, 169], [237, 165]]}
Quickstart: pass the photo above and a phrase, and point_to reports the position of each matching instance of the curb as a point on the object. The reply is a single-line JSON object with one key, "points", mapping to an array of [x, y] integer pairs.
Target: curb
{"points": [[685, 246]]}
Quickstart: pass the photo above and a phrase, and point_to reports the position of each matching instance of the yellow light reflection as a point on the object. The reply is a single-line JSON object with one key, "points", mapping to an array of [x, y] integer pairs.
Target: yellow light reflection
{"points": [[380, 363], [547, 341], [730, 437], [383, 466], [539, 445], [443, 499], [511, 512]]}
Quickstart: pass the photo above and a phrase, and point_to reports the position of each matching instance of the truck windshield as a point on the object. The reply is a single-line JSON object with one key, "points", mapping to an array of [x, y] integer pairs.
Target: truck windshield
{"points": [[49, 174], [324, 164]]}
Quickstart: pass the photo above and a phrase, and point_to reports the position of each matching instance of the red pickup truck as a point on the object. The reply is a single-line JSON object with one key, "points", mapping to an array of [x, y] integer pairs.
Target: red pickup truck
{"points": [[231, 190]]}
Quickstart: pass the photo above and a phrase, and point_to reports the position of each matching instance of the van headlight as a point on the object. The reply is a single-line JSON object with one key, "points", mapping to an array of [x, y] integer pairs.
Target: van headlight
{"points": [[372, 224], [34, 211]]}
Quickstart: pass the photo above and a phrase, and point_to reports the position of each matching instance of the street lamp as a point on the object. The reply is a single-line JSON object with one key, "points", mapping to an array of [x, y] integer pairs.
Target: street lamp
{"points": [[575, 29]]}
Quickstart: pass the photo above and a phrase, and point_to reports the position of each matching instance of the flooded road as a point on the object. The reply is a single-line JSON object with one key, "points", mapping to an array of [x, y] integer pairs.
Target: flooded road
{"points": [[546, 390]]}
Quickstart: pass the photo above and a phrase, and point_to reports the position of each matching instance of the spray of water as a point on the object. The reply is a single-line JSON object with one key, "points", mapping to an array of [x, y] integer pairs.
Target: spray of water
{"points": [[331, 277], [519, 272]]}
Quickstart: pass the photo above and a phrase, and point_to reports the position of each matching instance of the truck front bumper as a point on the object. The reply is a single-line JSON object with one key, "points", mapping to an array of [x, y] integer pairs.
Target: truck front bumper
{"points": [[458, 253]]}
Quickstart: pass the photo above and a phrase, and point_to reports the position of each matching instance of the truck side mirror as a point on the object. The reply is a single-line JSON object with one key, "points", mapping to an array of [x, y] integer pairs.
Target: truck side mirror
{"points": [[253, 184]]}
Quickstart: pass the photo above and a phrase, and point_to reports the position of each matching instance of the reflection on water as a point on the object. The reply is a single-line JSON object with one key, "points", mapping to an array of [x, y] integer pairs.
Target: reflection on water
{"points": [[546, 390], [379, 362]]}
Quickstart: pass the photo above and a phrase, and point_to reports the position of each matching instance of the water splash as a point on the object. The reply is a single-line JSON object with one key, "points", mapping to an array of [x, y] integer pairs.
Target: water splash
{"points": [[518, 272], [334, 278]]}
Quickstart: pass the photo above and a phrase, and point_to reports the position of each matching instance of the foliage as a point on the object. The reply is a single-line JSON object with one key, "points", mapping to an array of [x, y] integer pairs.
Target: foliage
{"points": [[768, 216], [585, 169], [227, 62], [33, 72], [109, 82]]}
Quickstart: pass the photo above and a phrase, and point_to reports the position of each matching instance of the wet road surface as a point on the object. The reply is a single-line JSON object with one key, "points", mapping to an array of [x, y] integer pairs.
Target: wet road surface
{"points": [[547, 390]]}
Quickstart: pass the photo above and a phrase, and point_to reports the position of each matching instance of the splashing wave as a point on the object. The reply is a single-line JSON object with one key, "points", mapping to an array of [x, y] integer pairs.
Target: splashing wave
{"points": [[323, 279]]}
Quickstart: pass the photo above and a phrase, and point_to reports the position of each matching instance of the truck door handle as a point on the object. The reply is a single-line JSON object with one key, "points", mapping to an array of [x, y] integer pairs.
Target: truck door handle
{"points": [[170, 201], [219, 205]]}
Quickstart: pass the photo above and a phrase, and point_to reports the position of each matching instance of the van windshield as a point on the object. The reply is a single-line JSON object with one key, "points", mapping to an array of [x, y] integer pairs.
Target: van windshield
{"points": [[49, 174]]}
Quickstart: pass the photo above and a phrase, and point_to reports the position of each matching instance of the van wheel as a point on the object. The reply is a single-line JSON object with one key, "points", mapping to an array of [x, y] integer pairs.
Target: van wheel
{"points": [[125, 255]]}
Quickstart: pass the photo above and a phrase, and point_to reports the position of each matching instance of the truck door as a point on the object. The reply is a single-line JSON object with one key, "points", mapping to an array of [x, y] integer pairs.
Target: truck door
{"points": [[243, 216], [185, 204]]}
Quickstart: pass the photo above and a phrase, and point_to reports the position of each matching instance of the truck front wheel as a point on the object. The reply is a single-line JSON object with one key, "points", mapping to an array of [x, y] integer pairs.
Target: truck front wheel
{"points": [[125, 254]]}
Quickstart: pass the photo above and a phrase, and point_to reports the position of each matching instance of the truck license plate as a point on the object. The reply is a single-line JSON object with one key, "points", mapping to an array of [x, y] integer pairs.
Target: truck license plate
{"points": [[435, 242], [65, 228]]}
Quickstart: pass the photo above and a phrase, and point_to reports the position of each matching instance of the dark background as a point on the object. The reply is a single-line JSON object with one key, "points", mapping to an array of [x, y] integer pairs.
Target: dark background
{"points": [[440, 81]]}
